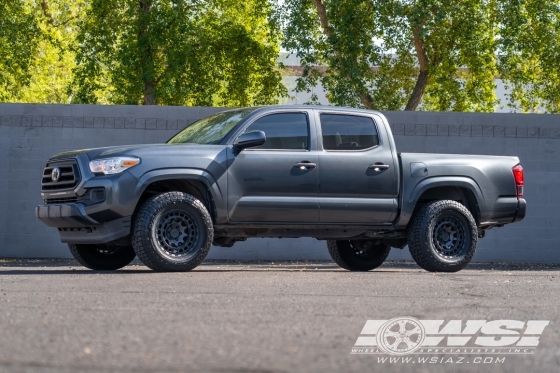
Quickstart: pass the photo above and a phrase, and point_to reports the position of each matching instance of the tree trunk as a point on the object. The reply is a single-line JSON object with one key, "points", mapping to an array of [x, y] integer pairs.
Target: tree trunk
{"points": [[367, 100], [423, 77], [418, 91], [146, 53], [47, 13], [149, 97]]}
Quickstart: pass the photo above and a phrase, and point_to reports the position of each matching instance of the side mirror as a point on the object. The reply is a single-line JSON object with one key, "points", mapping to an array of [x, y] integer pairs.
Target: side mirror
{"points": [[249, 140]]}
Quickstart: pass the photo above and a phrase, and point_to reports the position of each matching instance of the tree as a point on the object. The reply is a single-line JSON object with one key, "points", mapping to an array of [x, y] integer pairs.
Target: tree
{"points": [[437, 54], [19, 41], [51, 72], [36, 57], [529, 54], [177, 52]]}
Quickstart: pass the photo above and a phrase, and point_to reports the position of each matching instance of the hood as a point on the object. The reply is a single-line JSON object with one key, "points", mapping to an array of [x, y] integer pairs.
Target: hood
{"points": [[94, 152], [146, 150]]}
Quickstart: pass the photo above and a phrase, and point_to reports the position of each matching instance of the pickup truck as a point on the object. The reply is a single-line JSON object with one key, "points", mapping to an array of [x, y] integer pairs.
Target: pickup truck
{"points": [[278, 171]]}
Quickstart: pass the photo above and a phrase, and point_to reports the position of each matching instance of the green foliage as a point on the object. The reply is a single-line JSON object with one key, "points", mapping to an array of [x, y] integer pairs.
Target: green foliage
{"points": [[174, 52], [36, 56], [19, 44], [439, 54], [429, 54], [178, 52], [51, 72], [529, 53], [349, 52], [458, 38]]}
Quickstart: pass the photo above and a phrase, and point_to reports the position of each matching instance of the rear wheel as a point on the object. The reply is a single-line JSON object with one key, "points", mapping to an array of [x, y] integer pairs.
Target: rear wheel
{"points": [[172, 232], [102, 257], [442, 236], [358, 255]]}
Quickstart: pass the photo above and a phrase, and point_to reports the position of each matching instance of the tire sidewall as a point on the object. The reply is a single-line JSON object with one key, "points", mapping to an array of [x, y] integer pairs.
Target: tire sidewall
{"points": [[421, 230], [149, 249]]}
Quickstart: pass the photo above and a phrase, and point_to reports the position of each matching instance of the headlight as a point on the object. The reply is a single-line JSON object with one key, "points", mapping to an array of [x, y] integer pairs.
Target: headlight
{"points": [[112, 165]]}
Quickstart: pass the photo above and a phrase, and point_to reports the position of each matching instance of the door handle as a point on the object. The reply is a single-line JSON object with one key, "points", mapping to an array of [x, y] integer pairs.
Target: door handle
{"points": [[305, 165], [378, 167]]}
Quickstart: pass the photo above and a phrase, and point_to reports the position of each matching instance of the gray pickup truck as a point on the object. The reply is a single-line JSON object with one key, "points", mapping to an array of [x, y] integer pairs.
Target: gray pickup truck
{"points": [[278, 171]]}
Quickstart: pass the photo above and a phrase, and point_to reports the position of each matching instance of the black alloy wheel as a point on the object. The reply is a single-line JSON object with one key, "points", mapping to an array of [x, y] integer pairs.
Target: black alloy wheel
{"points": [[172, 231]]}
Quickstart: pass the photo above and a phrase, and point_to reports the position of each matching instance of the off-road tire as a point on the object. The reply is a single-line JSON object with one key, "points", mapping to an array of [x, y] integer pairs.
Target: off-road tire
{"points": [[163, 216], [347, 254], [437, 222], [102, 257]]}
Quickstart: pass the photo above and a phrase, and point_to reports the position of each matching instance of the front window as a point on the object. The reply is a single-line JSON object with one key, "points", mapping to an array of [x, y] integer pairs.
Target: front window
{"points": [[211, 130], [284, 131]]}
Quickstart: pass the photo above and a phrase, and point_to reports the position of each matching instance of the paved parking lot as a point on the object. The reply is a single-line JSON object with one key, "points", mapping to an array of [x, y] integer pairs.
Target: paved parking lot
{"points": [[253, 317]]}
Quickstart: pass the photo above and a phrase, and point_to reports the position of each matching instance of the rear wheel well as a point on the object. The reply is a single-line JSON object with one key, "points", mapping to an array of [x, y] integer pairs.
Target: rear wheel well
{"points": [[455, 193], [195, 188]]}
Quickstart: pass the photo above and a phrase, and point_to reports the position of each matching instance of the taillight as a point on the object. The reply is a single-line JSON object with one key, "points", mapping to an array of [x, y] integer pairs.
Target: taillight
{"points": [[518, 176]]}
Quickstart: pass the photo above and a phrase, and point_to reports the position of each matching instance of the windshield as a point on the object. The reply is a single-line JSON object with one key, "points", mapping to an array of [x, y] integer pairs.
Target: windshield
{"points": [[210, 130]]}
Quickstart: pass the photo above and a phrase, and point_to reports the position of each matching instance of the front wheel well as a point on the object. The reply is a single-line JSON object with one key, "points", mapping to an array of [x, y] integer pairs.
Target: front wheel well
{"points": [[195, 188], [454, 193]]}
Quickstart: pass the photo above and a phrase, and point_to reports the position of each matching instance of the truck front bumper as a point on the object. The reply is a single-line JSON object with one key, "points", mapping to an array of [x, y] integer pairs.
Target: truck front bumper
{"points": [[75, 226], [70, 215]]}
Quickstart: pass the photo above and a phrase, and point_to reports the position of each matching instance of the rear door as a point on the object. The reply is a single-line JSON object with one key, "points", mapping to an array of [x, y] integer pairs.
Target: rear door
{"points": [[277, 181], [358, 173]]}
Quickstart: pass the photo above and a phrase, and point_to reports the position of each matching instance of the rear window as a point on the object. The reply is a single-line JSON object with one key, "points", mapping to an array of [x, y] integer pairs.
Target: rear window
{"points": [[348, 132]]}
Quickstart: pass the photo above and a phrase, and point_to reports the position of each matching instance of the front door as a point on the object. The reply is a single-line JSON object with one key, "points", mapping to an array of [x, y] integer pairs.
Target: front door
{"points": [[277, 181], [358, 173]]}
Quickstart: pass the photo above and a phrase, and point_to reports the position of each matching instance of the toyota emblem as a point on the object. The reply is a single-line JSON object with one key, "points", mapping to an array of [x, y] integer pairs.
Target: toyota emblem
{"points": [[55, 174]]}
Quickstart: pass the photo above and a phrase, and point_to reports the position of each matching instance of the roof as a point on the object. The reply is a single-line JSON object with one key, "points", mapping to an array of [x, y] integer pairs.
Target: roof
{"points": [[319, 107]]}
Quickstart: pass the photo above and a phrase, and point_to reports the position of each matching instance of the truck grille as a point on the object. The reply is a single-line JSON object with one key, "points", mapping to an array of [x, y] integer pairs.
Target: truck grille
{"points": [[68, 175]]}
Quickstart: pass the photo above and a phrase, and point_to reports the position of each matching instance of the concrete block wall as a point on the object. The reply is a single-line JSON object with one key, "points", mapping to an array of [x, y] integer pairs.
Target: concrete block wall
{"points": [[29, 134]]}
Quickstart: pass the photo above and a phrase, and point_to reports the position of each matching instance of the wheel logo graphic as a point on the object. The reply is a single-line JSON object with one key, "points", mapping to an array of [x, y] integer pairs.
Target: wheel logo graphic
{"points": [[401, 336]]}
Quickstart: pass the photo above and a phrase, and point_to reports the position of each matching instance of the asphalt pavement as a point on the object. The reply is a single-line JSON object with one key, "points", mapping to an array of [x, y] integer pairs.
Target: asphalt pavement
{"points": [[56, 316]]}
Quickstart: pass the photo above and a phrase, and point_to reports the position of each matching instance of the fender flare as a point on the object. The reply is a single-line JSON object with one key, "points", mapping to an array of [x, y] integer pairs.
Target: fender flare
{"points": [[410, 201], [180, 174]]}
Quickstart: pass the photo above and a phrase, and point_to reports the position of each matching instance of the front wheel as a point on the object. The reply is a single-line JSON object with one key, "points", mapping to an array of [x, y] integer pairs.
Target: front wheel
{"points": [[102, 257], [442, 236], [358, 255], [172, 231]]}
